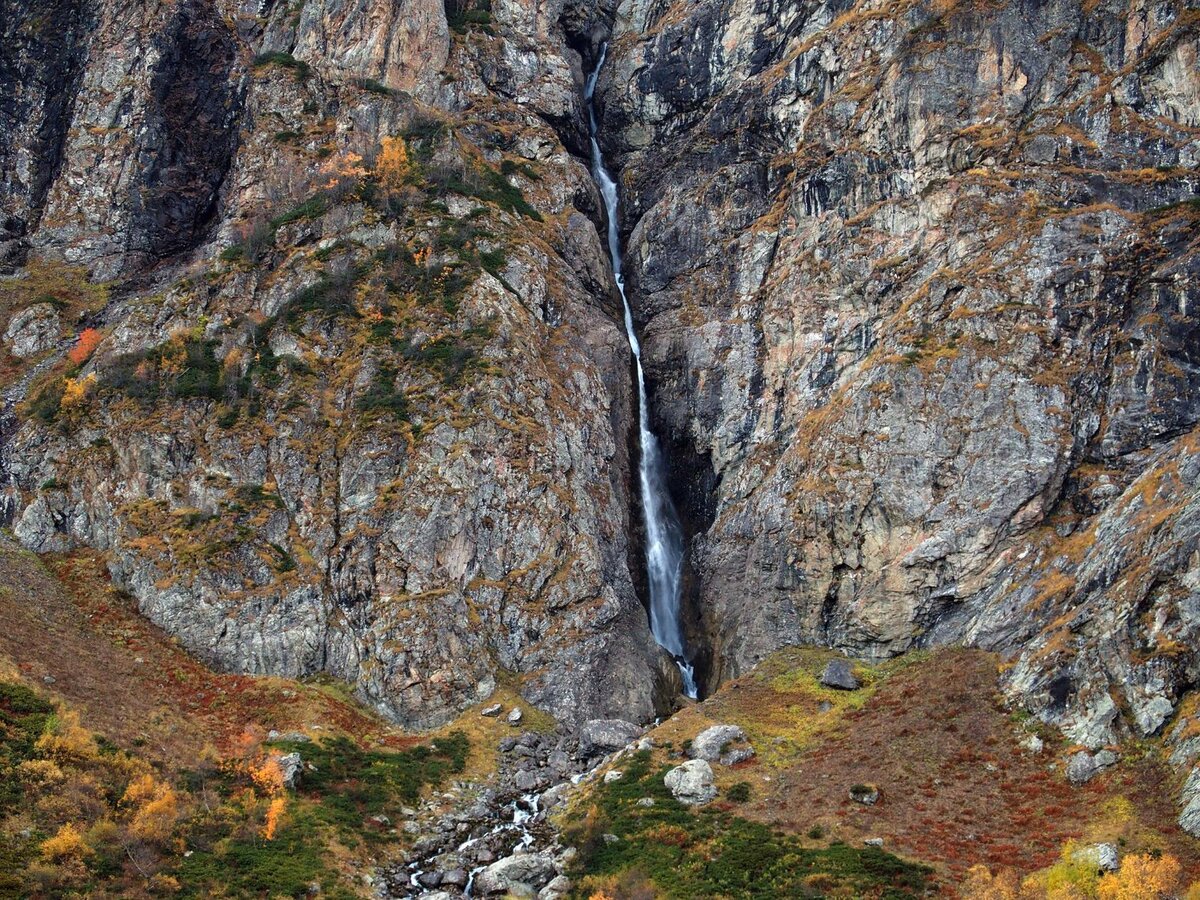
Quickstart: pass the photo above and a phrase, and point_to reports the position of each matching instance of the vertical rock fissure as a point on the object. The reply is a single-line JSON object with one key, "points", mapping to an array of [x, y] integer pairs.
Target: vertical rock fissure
{"points": [[664, 544]]}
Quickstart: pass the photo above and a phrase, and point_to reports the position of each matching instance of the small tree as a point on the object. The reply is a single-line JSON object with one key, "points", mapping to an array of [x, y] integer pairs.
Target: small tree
{"points": [[66, 844], [392, 166], [1141, 877], [85, 346]]}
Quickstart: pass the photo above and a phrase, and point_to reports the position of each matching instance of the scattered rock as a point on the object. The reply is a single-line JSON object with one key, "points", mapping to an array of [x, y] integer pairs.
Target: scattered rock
{"points": [[692, 782], [614, 775], [455, 878], [1103, 856], [522, 874], [1033, 744], [429, 879], [600, 736], [866, 794], [838, 674], [491, 711], [33, 330], [555, 795], [290, 766], [646, 801], [609, 838], [726, 743], [1084, 766], [515, 717], [873, 842], [49, 679]]}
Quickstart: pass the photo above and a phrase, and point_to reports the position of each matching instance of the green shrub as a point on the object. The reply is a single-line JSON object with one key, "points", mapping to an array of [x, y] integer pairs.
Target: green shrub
{"points": [[309, 209], [374, 87], [383, 397], [710, 853], [285, 60], [738, 793], [48, 401]]}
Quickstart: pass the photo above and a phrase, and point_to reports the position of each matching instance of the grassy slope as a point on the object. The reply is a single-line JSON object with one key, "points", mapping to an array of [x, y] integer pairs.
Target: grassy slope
{"points": [[930, 731], [148, 708]]}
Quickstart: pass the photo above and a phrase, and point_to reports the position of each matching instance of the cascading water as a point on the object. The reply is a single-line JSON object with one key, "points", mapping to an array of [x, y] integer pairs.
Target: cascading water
{"points": [[664, 534]]}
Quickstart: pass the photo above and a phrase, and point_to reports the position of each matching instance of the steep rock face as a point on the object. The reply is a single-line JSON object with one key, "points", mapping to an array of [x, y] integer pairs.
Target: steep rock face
{"points": [[360, 404], [35, 102], [919, 287]]}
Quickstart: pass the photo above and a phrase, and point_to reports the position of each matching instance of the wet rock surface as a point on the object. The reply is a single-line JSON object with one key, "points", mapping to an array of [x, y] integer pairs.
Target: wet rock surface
{"points": [[497, 836]]}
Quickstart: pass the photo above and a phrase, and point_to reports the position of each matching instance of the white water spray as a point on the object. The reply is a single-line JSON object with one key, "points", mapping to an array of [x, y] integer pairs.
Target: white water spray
{"points": [[664, 535]]}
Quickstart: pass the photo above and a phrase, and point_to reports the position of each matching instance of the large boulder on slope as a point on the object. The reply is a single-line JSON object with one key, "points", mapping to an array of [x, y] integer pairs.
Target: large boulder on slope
{"points": [[692, 783], [601, 736]]}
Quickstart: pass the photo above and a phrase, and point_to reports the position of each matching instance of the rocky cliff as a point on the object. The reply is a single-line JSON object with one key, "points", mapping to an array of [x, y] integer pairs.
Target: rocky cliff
{"points": [[919, 287], [917, 282], [359, 401]]}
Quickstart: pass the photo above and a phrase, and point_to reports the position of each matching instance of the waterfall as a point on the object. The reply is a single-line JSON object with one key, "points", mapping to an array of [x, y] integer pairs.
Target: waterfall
{"points": [[664, 534]]}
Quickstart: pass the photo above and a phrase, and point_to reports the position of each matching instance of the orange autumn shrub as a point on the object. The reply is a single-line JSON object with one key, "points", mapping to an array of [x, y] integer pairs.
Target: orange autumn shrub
{"points": [[85, 346]]}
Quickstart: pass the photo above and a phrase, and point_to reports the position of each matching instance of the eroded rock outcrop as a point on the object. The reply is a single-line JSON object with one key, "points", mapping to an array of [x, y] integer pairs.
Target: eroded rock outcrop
{"points": [[919, 288], [361, 402]]}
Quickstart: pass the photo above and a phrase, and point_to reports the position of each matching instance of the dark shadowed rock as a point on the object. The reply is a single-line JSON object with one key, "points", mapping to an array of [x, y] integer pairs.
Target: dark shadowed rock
{"points": [[838, 674], [598, 737]]}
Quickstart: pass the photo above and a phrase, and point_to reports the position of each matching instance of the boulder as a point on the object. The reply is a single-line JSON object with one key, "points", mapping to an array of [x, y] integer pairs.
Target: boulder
{"points": [[839, 675], [601, 736], [455, 878], [866, 794], [1103, 856], [555, 795], [515, 717], [726, 743], [1084, 766], [291, 766], [692, 782], [491, 711], [521, 875], [1189, 798], [33, 330]]}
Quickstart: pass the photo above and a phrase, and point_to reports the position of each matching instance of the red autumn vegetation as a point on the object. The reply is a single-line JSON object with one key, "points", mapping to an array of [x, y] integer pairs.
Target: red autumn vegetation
{"points": [[89, 339]]}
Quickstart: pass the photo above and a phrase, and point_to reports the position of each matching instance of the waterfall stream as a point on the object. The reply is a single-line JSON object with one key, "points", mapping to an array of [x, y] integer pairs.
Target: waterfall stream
{"points": [[664, 534]]}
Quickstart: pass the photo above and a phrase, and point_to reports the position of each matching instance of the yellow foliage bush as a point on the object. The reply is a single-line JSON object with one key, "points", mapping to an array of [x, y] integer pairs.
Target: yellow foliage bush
{"points": [[392, 166], [274, 814], [268, 777], [139, 790], [40, 773], [1141, 877], [67, 844], [981, 884], [156, 809], [67, 740], [76, 392]]}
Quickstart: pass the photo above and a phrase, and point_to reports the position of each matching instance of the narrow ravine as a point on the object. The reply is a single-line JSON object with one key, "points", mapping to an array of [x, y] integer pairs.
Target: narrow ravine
{"points": [[664, 533]]}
